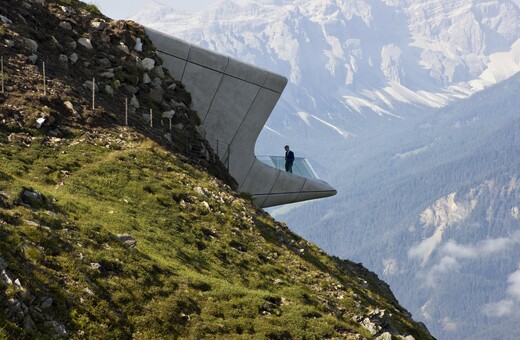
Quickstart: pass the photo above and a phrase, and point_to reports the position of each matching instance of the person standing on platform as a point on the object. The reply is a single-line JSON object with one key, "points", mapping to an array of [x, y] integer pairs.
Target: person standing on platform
{"points": [[289, 159]]}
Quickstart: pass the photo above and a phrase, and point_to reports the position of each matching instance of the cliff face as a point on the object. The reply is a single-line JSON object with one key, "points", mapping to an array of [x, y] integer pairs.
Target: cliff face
{"points": [[120, 230]]}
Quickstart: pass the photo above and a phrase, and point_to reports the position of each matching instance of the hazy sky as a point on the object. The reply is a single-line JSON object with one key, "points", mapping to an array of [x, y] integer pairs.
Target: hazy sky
{"points": [[123, 9]]}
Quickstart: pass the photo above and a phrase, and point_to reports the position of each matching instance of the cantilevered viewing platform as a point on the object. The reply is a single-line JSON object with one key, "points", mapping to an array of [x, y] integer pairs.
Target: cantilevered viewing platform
{"points": [[233, 100]]}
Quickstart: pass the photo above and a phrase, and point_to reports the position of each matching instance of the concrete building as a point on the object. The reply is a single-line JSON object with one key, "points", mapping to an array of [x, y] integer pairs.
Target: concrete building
{"points": [[233, 101]]}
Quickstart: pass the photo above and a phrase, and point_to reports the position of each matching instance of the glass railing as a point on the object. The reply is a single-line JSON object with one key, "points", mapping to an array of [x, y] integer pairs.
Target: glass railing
{"points": [[301, 166]]}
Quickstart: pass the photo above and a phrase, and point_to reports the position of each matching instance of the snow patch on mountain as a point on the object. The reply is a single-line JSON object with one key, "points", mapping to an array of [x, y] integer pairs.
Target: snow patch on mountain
{"points": [[444, 213]]}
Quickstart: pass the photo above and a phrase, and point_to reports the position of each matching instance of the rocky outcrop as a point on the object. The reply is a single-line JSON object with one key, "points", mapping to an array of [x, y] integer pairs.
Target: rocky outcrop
{"points": [[75, 45]]}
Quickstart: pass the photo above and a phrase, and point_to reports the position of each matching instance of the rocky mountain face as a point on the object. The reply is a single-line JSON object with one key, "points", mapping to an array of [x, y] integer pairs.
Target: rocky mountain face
{"points": [[353, 65], [409, 109], [117, 221]]}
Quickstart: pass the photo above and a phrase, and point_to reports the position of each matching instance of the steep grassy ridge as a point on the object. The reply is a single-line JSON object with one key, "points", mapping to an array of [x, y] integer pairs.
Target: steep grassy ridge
{"points": [[206, 262]]}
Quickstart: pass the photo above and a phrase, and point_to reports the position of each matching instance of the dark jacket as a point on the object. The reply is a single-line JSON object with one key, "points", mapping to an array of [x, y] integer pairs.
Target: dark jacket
{"points": [[289, 156]]}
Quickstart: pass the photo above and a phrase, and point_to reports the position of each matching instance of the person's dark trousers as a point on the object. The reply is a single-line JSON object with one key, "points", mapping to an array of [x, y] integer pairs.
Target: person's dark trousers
{"points": [[288, 167]]}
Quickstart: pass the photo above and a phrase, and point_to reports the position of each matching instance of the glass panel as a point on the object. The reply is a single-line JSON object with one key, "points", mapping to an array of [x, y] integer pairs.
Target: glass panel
{"points": [[301, 166]]}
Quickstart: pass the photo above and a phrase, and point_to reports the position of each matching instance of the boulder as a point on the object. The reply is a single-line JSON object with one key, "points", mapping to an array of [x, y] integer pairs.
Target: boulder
{"points": [[72, 45], [40, 121], [73, 58], [157, 72], [58, 329], [5, 20], [156, 95], [85, 43], [168, 114], [104, 63], [98, 25], [385, 336], [33, 58], [156, 82], [30, 44], [127, 239], [138, 45], [107, 75], [66, 25], [134, 102], [46, 302], [174, 104], [33, 198], [89, 84], [146, 78], [123, 48], [55, 41], [109, 90], [148, 64], [63, 61]]}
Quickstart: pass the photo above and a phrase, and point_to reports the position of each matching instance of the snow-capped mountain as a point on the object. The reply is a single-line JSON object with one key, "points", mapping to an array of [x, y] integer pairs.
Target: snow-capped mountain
{"points": [[410, 109], [347, 60]]}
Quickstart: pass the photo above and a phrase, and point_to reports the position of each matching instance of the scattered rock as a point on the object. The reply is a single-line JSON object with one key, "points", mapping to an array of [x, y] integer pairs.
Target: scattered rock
{"points": [[46, 302], [66, 25], [88, 84], [98, 25], [58, 329], [104, 63], [55, 132], [30, 44], [5, 20], [124, 48], [73, 58], [55, 41], [72, 45], [108, 75], [109, 90], [63, 61], [33, 58], [168, 114], [156, 95], [174, 104], [33, 198], [95, 265], [85, 43], [69, 106], [138, 45], [39, 122], [146, 78], [134, 102], [156, 82], [158, 72], [199, 191], [9, 43], [148, 64], [385, 336], [128, 240]]}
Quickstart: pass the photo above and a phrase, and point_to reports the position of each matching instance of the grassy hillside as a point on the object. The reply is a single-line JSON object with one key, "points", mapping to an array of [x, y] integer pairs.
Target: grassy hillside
{"points": [[205, 261], [114, 231]]}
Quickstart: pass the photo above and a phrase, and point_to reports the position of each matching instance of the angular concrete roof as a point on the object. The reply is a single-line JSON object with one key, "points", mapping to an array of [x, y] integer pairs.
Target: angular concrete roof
{"points": [[234, 99]]}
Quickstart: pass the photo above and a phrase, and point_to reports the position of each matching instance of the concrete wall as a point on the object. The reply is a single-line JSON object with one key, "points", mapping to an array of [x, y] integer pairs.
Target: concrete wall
{"points": [[234, 100]]}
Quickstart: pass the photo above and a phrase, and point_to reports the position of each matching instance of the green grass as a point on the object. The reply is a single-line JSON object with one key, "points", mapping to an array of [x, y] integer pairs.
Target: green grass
{"points": [[226, 272]]}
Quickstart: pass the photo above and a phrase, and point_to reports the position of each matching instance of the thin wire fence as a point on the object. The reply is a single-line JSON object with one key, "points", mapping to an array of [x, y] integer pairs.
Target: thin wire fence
{"points": [[214, 150]]}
